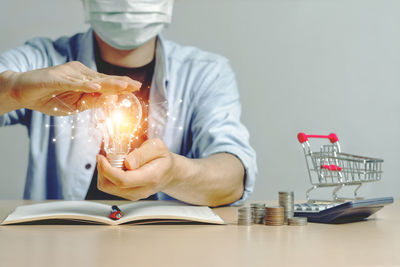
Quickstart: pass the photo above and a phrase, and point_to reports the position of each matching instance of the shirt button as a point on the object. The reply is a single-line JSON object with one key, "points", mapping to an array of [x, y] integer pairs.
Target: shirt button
{"points": [[88, 166]]}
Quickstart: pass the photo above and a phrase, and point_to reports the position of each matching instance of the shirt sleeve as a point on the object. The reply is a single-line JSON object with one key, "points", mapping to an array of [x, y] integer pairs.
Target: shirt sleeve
{"points": [[216, 125], [21, 59]]}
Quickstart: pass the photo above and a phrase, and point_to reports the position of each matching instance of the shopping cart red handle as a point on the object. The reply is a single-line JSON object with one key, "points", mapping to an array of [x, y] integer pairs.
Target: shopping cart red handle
{"points": [[302, 137], [331, 167]]}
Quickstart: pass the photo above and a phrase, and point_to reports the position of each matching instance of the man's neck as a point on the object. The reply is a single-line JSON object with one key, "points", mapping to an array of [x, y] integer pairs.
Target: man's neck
{"points": [[134, 58]]}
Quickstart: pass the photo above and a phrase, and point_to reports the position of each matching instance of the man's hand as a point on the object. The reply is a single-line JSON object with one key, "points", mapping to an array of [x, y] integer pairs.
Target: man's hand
{"points": [[150, 169], [61, 90]]}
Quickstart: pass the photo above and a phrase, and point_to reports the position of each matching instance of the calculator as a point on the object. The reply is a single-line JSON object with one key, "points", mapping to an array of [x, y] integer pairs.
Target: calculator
{"points": [[351, 211]]}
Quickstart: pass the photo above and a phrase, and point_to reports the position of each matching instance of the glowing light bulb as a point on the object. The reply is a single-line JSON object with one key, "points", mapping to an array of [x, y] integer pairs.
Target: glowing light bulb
{"points": [[118, 117]]}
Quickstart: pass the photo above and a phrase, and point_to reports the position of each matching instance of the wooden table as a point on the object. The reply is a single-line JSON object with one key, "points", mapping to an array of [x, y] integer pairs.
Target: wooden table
{"points": [[375, 242]]}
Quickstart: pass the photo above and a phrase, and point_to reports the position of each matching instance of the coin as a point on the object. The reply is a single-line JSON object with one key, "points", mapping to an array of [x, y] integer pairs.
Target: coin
{"points": [[245, 216], [286, 200], [297, 221], [258, 210], [246, 210], [274, 216]]}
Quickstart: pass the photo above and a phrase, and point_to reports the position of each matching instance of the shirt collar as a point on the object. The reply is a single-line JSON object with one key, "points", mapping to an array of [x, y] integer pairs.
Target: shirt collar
{"points": [[86, 52], [161, 70]]}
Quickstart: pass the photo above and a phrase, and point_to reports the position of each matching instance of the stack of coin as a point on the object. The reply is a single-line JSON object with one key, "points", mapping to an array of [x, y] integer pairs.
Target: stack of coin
{"points": [[297, 221], [258, 212], [286, 200], [244, 216], [274, 216]]}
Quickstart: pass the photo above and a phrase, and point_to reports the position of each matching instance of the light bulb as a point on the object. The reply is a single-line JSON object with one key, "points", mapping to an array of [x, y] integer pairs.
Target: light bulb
{"points": [[118, 117]]}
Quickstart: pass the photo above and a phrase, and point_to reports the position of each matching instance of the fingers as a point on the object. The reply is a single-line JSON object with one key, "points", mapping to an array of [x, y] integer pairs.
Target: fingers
{"points": [[132, 184], [114, 174], [105, 185], [117, 84], [111, 84], [80, 78], [133, 85], [148, 151], [104, 85], [148, 175], [117, 176], [90, 87]]}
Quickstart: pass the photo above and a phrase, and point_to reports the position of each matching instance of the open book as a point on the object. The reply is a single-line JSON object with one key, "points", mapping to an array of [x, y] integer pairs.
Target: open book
{"points": [[141, 212]]}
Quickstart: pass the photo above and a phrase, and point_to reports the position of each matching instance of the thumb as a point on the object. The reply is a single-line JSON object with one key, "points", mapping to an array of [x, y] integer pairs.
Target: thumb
{"points": [[88, 101], [130, 162], [150, 150]]}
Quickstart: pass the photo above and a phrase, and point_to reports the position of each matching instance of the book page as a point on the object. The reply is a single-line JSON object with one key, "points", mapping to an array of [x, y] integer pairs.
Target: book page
{"points": [[156, 210], [87, 211], [67, 210]]}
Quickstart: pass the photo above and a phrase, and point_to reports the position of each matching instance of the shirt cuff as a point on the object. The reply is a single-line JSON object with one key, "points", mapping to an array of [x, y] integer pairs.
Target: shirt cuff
{"points": [[3, 120]]}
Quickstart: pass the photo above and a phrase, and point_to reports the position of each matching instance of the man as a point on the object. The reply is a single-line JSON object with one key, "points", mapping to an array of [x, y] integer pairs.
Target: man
{"points": [[195, 148]]}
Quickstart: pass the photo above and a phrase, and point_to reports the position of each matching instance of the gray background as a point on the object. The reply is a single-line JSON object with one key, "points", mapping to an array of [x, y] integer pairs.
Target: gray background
{"points": [[316, 66]]}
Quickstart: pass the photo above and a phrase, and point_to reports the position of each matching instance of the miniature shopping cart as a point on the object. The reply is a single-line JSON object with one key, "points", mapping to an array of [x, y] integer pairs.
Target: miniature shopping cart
{"points": [[330, 167]]}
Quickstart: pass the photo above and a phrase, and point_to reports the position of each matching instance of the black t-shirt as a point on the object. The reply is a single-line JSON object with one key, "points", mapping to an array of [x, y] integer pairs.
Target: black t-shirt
{"points": [[144, 75]]}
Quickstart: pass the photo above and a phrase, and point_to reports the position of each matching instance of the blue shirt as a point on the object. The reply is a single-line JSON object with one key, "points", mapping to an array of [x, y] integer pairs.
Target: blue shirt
{"points": [[194, 109]]}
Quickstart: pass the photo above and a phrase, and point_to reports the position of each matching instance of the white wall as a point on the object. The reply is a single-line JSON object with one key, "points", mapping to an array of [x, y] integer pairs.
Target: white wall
{"points": [[317, 66]]}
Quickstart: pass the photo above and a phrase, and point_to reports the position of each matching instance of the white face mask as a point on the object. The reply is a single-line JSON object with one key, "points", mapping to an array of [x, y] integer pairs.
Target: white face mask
{"points": [[128, 24]]}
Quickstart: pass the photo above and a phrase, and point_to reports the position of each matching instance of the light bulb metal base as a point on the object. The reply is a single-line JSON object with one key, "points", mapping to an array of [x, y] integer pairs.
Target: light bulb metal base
{"points": [[117, 160]]}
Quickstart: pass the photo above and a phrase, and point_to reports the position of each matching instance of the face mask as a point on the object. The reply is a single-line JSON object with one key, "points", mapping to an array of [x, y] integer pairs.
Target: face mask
{"points": [[128, 24]]}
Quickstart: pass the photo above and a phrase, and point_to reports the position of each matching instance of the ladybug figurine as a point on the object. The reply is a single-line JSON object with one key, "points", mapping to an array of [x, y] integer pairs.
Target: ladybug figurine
{"points": [[115, 214]]}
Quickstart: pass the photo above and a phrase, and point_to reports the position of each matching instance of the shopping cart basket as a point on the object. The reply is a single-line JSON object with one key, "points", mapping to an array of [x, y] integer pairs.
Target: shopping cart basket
{"points": [[331, 168]]}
